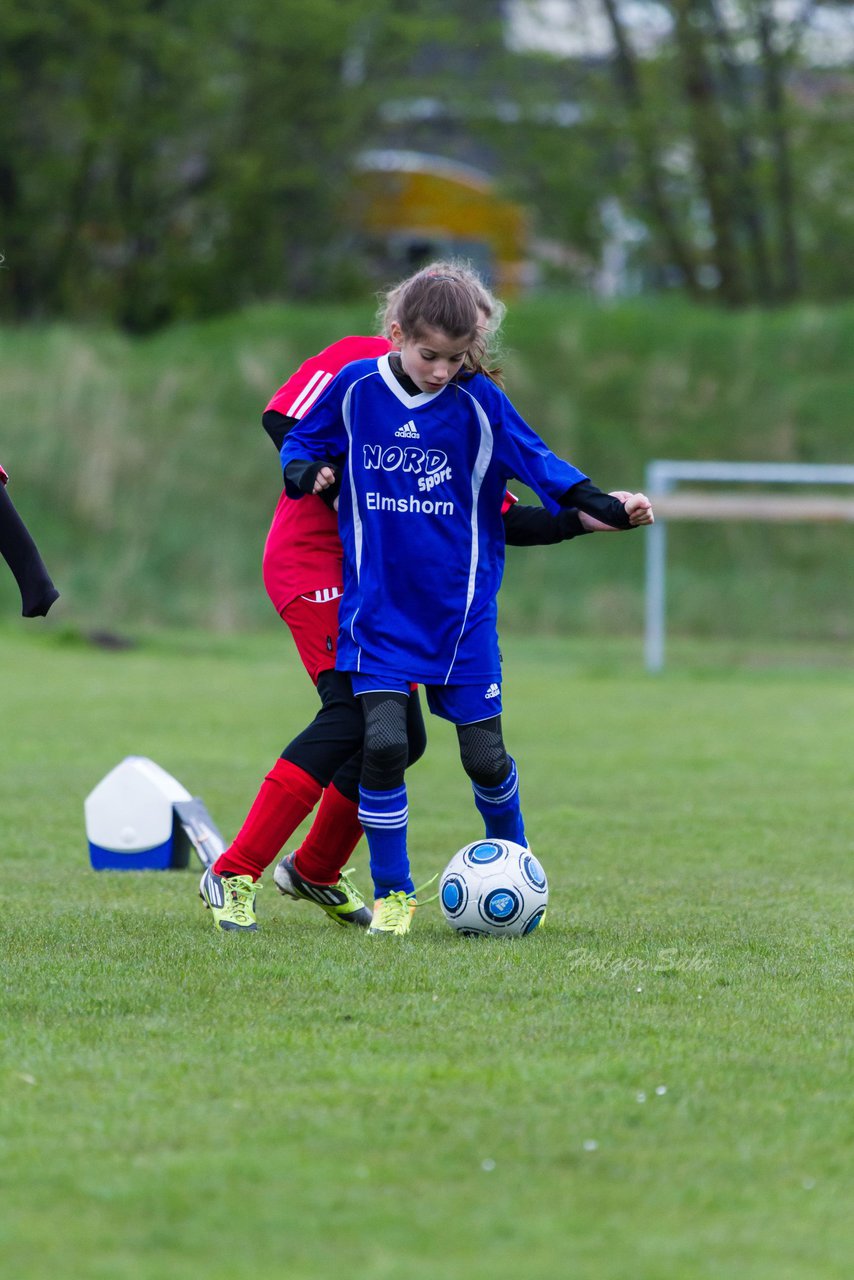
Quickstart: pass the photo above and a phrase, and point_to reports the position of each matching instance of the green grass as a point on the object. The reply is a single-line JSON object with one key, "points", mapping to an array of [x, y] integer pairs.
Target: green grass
{"points": [[657, 1085]]}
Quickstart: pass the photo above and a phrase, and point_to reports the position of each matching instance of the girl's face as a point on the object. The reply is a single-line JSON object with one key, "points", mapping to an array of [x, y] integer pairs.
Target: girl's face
{"points": [[432, 359]]}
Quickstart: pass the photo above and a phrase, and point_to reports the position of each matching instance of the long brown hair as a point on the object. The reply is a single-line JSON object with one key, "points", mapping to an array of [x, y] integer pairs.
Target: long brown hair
{"points": [[481, 354]]}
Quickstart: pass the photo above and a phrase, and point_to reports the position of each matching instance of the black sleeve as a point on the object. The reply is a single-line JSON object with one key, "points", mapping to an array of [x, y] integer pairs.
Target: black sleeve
{"points": [[21, 554], [587, 497], [537, 527], [277, 425], [300, 475]]}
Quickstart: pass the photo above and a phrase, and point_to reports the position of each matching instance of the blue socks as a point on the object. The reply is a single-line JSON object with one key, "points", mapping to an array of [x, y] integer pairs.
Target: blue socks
{"points": [[500, 809], [384, 816]]}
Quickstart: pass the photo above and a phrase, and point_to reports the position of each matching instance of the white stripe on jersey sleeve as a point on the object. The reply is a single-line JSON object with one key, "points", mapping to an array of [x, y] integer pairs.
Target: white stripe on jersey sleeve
{"points": [[309, 394], [357, 516]]}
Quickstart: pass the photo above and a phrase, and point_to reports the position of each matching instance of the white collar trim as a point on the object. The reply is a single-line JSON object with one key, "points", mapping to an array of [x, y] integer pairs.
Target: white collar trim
{"points": [[411, 402]]}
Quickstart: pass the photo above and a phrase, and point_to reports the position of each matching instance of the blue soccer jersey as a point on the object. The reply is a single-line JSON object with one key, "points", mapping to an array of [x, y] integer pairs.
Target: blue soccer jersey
{"points": [[420, 516]]}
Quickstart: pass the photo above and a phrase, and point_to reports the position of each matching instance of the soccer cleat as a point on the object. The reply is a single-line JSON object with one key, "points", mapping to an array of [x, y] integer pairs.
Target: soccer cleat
{"points": [[342, 902], [393, 913], [231, 900]]}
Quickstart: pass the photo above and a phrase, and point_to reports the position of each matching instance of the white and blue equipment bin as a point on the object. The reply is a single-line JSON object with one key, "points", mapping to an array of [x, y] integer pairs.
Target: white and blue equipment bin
{"points": [[140, 818]]}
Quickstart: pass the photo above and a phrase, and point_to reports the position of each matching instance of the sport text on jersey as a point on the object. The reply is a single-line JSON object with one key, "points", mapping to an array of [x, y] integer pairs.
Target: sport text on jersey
{"points": [[428, 466]]}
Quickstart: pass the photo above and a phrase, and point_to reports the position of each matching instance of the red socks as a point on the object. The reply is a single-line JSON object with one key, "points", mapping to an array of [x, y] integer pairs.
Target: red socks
{"points": [[287, 796], [334, 834]]}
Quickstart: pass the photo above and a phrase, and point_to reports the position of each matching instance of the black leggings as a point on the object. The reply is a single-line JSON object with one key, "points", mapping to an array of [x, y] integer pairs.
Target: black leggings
{"points": [[330, 749], [482, 752]]}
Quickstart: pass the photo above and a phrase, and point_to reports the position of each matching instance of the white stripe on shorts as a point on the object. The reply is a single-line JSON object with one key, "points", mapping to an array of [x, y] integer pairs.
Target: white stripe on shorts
{"points": [[323, 596]]}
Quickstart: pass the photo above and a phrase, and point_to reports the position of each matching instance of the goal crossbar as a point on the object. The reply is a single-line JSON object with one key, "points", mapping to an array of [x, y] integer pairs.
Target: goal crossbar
{"points": [[763, 507]]}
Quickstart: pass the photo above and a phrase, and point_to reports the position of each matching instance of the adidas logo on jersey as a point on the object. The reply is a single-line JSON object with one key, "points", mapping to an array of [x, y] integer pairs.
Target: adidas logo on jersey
{"points": [[493, 691], [408, 431]]}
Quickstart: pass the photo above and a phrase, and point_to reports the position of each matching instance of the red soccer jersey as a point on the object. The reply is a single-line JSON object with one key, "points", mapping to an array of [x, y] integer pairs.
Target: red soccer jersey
{"points": [[302, 553]]}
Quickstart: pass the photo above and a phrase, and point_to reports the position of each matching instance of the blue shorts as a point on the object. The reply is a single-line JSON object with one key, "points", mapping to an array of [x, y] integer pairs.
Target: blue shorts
{"points": [[459, 703]]}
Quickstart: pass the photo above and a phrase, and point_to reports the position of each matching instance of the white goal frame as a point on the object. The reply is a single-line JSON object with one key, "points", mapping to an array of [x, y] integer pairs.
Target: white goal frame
{"points": [[664, 476]]}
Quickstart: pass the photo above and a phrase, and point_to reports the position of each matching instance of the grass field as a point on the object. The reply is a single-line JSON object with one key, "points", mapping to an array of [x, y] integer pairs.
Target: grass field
{"points": [[655, 1086]]}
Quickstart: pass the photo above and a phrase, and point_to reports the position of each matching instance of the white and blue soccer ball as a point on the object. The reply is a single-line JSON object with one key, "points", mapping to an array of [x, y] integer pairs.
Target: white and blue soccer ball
{"points": [[494, 887]]}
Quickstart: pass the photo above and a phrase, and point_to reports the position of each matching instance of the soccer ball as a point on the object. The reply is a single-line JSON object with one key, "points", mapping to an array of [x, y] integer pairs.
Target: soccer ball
{"points": [[494, 887]]}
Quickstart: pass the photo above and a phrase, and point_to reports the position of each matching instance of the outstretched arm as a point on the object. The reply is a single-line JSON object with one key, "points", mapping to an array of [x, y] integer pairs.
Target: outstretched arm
{"points": [[21, 554], [526, 526]]}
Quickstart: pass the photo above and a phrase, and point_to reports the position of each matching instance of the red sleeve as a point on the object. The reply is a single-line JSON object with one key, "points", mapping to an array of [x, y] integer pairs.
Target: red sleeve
{"points": [[313, 376], [3, 476], [509, 499]]}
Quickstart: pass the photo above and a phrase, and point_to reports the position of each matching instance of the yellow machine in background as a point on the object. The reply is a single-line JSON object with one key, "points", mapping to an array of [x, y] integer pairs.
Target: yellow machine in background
{"points": [[409, 208]]}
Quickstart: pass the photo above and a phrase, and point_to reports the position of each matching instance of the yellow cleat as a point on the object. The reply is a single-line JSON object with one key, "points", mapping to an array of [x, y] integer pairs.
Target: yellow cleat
{"points": [[231, 900], [393, 913]]}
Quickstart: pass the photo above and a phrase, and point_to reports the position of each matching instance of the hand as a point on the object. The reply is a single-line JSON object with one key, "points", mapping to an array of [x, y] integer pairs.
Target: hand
{"points": [[324, 479], [638, 509]]}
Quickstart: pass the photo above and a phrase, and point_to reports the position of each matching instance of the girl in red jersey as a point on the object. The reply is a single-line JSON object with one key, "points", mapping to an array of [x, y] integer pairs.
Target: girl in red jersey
{"points": [[303, 574]]}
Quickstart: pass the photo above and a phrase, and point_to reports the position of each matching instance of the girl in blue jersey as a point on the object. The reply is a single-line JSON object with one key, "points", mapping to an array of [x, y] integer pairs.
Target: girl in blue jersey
{"points": [[423, 443]]}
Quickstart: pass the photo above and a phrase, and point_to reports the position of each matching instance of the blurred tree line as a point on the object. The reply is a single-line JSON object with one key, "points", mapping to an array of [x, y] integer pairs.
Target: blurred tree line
{"points": [[171, 158]]}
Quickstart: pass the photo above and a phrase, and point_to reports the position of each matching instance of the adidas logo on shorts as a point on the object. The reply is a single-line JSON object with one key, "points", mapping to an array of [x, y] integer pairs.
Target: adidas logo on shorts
{"points": [[493, 691], [408, 431]]}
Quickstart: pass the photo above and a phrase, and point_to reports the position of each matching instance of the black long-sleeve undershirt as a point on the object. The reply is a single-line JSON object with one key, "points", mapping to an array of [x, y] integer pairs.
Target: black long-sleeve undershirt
{"points": [[586, 497], [524, 526], [277, 425], [536, 527]]}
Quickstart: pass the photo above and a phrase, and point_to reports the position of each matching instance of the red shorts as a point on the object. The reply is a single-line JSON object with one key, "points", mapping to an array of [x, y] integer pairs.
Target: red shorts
{"points": [[313, 623]]}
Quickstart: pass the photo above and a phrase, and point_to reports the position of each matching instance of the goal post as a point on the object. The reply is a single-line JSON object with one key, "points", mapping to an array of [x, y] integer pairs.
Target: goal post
{"points": [[663, 478]]}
